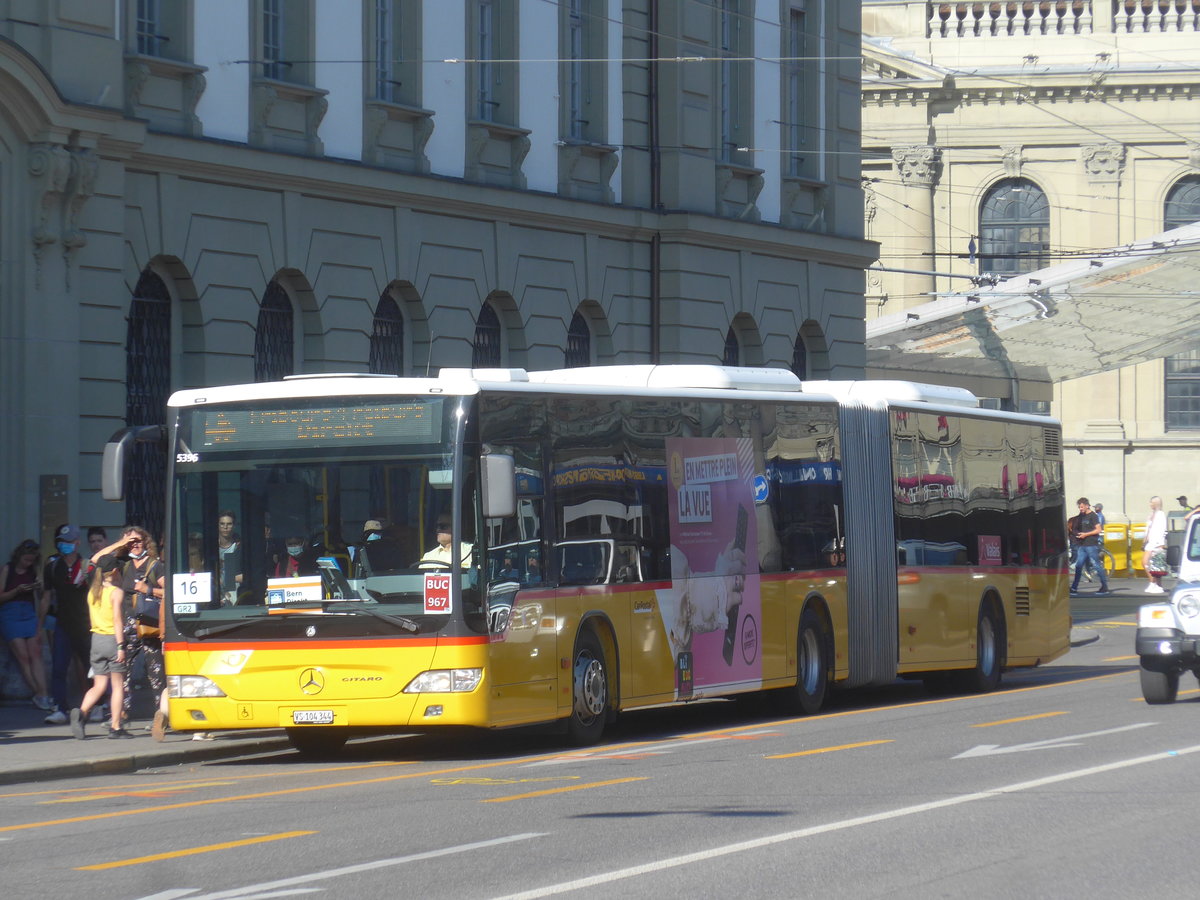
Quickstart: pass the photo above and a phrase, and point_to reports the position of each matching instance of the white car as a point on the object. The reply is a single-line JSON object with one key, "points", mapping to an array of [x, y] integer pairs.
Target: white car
{"points": [[1168, 634]]}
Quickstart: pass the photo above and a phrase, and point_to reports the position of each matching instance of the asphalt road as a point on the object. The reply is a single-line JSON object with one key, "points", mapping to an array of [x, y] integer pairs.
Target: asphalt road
{"points": [[1064, 783]]}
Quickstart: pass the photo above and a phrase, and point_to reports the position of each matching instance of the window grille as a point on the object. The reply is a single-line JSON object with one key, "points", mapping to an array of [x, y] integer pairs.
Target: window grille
{"points": [[147, 386], [274, 340], [486, 352], [800, 359], [387, 339], [733, 349], [579, 343]]}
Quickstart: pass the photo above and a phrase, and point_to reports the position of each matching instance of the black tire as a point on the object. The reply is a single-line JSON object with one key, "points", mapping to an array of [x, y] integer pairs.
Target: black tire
{"points": [[589, 691], [812, 664], [989, 653], [318, 742], [1159, 687]]}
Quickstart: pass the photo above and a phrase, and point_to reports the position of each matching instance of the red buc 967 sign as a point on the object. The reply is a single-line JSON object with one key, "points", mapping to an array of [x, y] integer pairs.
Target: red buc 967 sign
{"points": [[437, 592]]}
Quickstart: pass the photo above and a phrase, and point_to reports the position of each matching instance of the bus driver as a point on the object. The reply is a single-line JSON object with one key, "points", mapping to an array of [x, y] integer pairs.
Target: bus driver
{"points": [[439, 556]]}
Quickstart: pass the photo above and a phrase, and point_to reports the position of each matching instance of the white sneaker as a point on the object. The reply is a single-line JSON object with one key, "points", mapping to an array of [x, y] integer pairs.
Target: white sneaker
{"points": [[58, 717], [1154, 589]]}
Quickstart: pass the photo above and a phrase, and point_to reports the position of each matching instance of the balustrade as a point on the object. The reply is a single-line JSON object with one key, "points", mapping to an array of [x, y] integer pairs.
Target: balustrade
{"points": [[1038, 17]]}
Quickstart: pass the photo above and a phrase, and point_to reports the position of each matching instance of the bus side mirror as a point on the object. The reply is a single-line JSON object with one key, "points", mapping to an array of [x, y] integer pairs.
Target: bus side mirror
{"points": [[499, 476], [112, 467], [112, 471]]}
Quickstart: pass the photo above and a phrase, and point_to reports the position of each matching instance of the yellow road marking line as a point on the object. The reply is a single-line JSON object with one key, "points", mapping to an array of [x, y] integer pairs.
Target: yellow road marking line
{"points": [[828, 749], [562, 790], [175, 854], [1121, 658], [1124, 624], [228, 778], [261, 795], [1044, 715], [1181, 693]]}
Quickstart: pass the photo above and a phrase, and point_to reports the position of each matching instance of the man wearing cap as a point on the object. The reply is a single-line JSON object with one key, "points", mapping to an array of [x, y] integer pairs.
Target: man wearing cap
{"points": [[65, 577]]}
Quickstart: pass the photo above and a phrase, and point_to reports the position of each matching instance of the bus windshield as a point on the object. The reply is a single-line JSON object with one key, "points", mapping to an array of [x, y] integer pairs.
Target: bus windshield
{"points": [[318, 508]]}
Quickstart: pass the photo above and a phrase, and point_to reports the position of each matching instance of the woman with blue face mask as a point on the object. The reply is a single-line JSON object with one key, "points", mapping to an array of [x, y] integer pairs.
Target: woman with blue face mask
{"points": [[66, 579], [296, 560]]}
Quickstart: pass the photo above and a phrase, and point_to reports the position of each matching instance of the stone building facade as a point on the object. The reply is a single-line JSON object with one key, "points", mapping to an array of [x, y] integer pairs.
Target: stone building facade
{"points": [[1004, 137], [204, 192]]}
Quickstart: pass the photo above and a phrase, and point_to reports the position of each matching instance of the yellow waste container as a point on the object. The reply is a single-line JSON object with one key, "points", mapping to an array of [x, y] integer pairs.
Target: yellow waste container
{"points": [[1116, 542], [1137, 535]]}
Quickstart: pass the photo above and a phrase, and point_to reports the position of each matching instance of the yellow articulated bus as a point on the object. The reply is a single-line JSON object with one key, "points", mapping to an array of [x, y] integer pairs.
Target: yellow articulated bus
{"points": [[496, 548]]}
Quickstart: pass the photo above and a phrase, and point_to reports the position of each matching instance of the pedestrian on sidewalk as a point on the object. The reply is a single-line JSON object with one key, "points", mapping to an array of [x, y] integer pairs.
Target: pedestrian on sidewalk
{"points": [[21, 617], [108, 653], [142, 582], [66, 582], [1154, 547], [1087, 533]]}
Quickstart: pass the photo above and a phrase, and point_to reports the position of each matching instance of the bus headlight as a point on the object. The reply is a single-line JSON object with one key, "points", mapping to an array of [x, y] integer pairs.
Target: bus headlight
{"points": [[445, 681], [179, 686], [1188, 604]]}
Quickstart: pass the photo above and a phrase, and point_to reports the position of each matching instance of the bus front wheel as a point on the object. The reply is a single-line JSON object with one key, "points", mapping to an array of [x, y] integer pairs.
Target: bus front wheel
{"points": [[317, 742], [812, 664], [589, 691]]}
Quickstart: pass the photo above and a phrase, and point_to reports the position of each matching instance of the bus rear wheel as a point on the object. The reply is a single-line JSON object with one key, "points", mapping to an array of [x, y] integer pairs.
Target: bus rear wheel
{"points": [[589, 691], [989, 643], [317, 742]]}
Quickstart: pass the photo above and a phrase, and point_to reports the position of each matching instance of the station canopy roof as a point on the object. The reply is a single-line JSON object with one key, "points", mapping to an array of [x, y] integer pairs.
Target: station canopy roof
{"points": [[1097, 312]]}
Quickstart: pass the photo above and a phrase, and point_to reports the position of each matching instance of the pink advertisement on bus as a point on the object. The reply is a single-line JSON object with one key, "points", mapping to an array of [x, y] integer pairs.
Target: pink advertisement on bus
{"points": [[712, 611]]}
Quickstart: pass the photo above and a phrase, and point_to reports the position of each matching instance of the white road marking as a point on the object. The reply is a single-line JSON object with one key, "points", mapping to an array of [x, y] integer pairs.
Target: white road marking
{"points": [[1070, 740], [715, 852], [280, 887]]}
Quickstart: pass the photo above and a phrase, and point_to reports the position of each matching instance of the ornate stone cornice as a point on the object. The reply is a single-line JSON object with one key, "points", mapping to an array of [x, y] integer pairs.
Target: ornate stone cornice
{"points": [[980, 95], [918, 166]]}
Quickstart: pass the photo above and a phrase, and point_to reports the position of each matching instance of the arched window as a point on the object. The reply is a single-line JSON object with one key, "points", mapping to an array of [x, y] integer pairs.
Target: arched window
{"points": [[579, 343], [733, 349], [486, 351], [1182, 370], [387, 339], [800, 358], [147, 385], [274, 354], [1183, 203], [1014, 228]]}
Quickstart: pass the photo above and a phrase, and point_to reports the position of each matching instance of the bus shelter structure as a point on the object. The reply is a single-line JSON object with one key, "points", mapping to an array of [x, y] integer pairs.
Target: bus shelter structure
{"points": [[1093, 313]]}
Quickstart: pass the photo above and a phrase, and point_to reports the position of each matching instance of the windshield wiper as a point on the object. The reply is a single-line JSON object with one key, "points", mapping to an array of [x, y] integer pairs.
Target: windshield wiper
{"points": [[400, 621], [213, 630]]}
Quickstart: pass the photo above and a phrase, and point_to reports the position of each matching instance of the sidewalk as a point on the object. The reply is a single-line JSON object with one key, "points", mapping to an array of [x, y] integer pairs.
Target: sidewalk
{"points": [[31, 751]]}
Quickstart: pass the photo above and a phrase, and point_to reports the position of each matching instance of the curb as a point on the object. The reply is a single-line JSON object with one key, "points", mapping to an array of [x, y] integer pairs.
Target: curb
{"points": [[133, 762]]}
